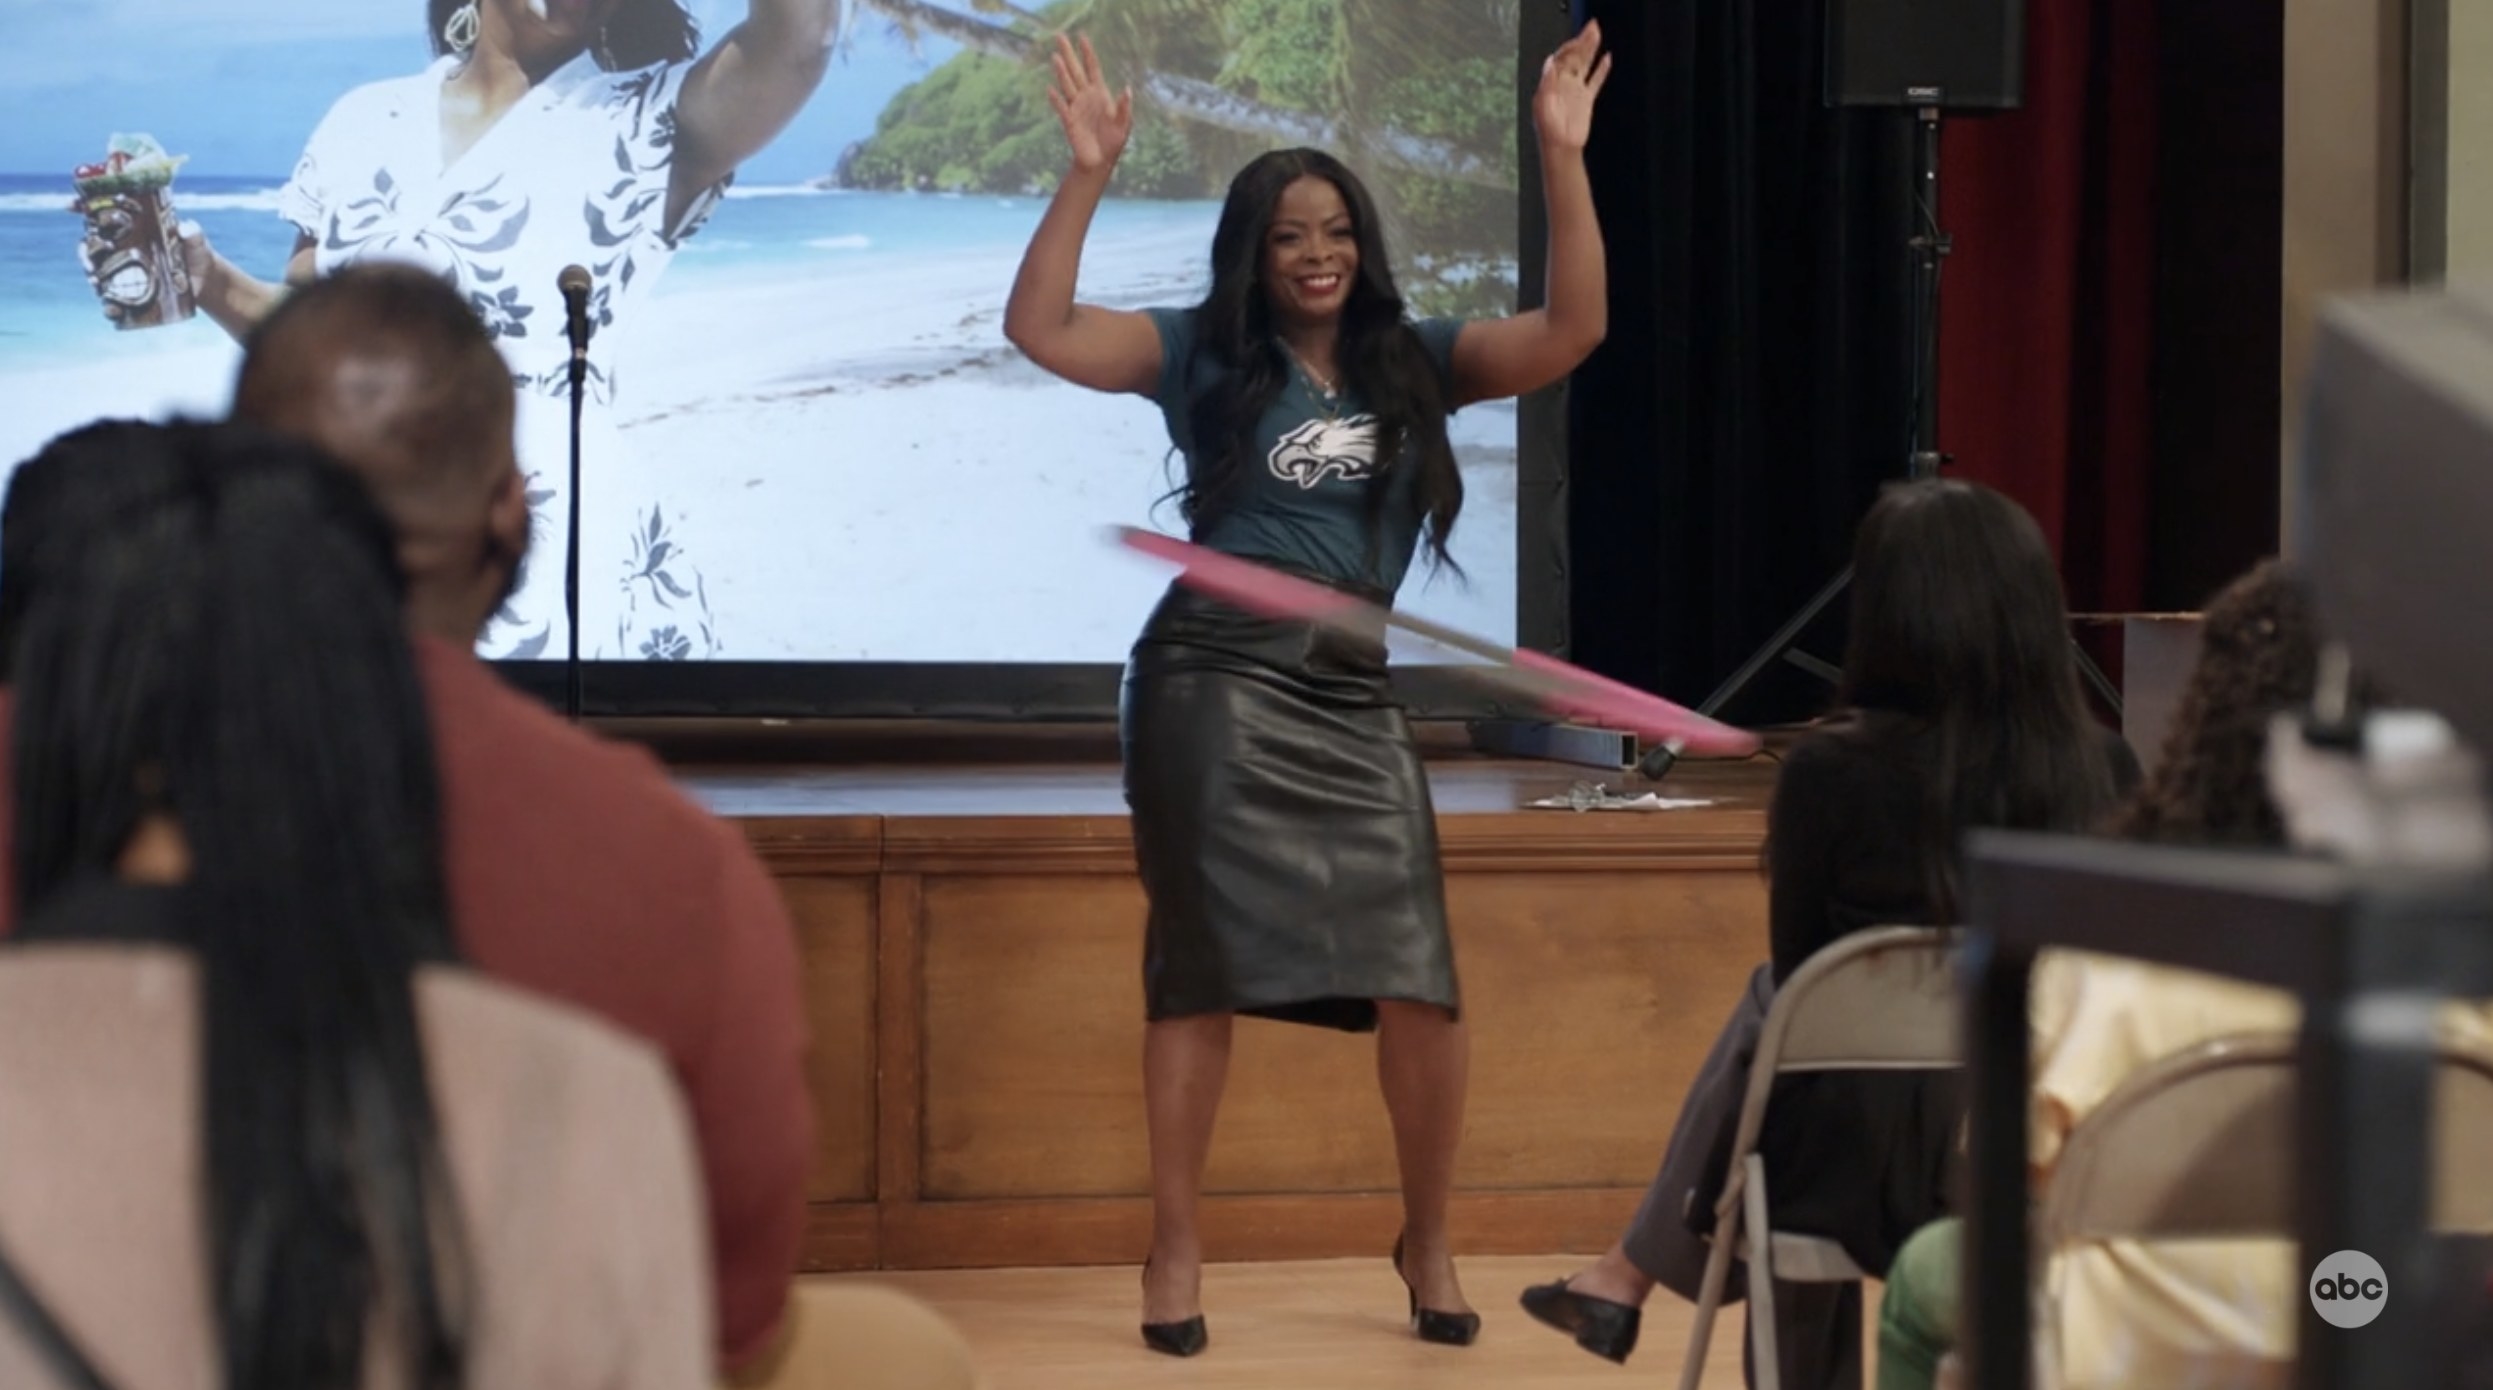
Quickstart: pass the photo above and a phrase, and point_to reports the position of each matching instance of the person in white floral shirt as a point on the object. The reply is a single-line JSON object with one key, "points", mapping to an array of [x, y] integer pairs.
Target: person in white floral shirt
{"points": [[550, 133]]}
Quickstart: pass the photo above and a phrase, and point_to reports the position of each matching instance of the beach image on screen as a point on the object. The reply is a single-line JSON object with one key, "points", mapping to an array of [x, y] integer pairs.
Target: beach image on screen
{"points": [[805, 438]]}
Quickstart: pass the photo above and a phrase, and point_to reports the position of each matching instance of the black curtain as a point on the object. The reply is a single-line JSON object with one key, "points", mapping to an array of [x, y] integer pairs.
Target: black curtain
{"points": [[1753, 392], [2214, 496]]}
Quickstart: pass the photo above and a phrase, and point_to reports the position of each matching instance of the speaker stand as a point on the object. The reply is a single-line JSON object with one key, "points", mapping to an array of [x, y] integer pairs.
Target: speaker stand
{"points": [[1930, 246]]}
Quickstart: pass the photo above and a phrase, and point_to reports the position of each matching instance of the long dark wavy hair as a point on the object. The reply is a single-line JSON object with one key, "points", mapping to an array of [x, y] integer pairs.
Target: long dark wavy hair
{"points": [[2259, 655], [1960, 633], [642, 33], [205, 624], [1381, 357]]}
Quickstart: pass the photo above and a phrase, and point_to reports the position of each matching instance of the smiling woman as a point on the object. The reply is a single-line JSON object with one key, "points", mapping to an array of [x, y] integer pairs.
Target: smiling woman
{"points": [[1282, 822], [549, 133]]}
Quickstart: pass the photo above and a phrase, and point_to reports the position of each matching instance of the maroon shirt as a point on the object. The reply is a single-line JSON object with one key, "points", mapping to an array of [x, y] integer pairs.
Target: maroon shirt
{"points": [[578, 870]]}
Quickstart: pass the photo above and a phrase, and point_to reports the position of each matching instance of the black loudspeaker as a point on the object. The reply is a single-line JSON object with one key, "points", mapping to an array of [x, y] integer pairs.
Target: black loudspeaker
{"points": [[1956, 55]]}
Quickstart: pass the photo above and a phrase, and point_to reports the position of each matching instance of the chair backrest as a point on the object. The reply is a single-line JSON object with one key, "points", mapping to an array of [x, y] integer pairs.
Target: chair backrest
{"points": [[1883, 999], [2201, 1144]]}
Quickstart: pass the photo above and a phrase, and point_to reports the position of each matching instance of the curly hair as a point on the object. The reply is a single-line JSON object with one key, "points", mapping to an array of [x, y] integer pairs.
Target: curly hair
{"points": [[2259, 655]]}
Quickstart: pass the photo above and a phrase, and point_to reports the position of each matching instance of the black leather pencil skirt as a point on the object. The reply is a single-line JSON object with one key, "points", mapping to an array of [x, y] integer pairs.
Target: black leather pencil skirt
{"points": [[1282, 822]]}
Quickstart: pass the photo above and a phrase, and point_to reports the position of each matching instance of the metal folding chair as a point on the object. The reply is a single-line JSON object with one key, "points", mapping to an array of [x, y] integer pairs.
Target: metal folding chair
{"points": [[1877, 1000]]}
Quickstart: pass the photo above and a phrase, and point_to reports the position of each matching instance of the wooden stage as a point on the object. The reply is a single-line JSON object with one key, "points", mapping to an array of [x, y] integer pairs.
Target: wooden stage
{"points": [[971, 929]]}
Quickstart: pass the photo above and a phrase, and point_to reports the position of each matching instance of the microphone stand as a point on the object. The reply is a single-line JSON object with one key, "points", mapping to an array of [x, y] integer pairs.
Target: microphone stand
{"points": [[571, 550], [574, 284]]}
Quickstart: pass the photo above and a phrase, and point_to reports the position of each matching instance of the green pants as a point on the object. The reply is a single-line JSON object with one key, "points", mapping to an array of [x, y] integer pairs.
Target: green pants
{"points": [[1917, 1314]]}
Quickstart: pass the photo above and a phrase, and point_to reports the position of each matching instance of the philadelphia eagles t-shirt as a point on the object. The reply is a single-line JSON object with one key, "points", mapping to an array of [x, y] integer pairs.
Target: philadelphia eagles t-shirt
{"points": [[1304, 497]]}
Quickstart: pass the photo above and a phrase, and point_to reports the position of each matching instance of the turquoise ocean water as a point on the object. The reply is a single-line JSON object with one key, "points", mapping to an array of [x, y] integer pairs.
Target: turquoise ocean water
{"points": [[49, 315]]}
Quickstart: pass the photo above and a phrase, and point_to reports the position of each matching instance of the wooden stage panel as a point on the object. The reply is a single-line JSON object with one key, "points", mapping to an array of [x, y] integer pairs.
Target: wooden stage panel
{"points": [[1032, 1039], [972, 968], [835, 931], [1592, 998], [1032, 1036]]}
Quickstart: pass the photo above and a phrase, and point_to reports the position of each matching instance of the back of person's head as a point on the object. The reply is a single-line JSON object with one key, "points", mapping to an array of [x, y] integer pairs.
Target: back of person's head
{"points": [[1959, 630], [207, 634], [2259, 655], [45, 496], [387, 368]]}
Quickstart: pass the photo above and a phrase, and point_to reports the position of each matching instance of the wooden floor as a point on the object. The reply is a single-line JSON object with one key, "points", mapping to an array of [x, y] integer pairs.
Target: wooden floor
{"points": [[1312, 1325]]}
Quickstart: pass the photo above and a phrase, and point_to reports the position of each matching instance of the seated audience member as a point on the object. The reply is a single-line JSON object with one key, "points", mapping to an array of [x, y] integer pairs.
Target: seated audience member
{"points": [[263, 1128], [576, 867], [1960, 708], [2168, 1313]]}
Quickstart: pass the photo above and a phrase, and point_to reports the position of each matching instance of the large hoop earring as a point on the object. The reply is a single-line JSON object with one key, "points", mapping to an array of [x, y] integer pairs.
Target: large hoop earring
{"points": [[460, 33]]}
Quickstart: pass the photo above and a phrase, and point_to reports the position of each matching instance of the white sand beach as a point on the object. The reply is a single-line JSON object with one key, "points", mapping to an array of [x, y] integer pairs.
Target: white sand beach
{"points": [[862, 469]]}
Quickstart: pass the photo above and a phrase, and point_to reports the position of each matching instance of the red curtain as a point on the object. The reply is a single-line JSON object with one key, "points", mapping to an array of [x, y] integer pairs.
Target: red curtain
{"points": [[2046, 306]]}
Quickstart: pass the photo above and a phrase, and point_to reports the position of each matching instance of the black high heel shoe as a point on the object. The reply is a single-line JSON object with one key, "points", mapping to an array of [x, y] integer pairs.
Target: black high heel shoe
{"points": [[1187, 1338], [1445, 1329], [1604, 1328]]}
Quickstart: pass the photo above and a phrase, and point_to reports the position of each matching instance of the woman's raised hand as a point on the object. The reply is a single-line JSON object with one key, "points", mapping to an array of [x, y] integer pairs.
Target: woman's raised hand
{"points": [[1096, 121], [1570, 79]]}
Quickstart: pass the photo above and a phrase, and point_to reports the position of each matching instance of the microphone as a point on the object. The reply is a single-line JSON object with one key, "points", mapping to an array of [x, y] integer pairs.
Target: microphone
{"points": [[574, 283]]}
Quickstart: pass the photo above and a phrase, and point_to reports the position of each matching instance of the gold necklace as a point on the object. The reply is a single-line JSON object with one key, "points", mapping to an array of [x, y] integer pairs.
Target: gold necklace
{"points": [[1328, 393]]}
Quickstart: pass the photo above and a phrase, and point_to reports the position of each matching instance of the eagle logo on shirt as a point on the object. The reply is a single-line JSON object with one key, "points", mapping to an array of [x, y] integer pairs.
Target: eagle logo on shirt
{"points": [[1321, 449]]}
